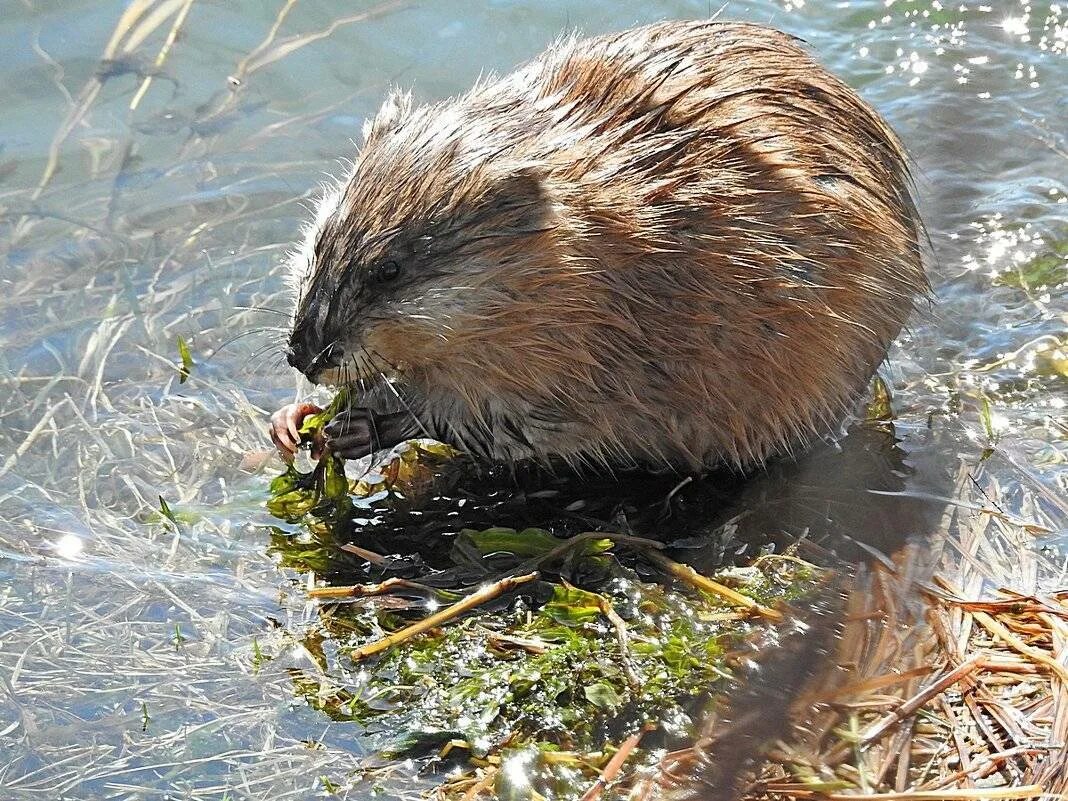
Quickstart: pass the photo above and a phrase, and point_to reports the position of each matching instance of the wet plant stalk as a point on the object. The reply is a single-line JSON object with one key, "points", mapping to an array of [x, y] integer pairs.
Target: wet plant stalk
{"points": [[694, 579], [615, 764], [487, 593]]}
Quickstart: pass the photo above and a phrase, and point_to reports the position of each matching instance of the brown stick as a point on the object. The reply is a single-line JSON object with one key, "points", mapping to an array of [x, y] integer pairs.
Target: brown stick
{"points": [[363, 553], [363, 590], [694, 579], [487, 593], [483, 784], [611, 770], [909, 708]]}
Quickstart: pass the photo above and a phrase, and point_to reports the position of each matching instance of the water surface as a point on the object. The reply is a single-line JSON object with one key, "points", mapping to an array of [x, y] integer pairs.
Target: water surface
{"points": [[128, 648]]}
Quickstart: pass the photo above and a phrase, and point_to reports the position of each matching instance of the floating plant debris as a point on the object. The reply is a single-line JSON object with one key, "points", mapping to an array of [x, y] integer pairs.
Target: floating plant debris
{"points": [[532, 652], [185, 366]]}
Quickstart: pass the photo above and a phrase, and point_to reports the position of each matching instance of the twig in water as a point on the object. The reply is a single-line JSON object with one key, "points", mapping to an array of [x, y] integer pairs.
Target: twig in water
{"points": [[624, 642], [363, 553], [486, 593], [364, 590], [693, 578], [611, 770]]}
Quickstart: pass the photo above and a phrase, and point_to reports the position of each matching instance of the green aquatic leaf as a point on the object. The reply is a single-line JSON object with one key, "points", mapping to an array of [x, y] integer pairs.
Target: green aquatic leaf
{"points": [[165, 510], [880, 407], [530, 544], [602, 694], [333, 484], [329, 786], [986, 415], [295, 494], [526, 543], [1045, 271], [185, 367], [571, 606]]}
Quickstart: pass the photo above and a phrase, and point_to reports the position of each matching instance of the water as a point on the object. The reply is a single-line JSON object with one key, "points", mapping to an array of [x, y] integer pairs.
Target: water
{"points": [[128, 651]]}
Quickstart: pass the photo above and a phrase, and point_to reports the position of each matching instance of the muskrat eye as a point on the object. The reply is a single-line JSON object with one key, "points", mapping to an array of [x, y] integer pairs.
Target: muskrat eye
{"points": [[387, 271]]}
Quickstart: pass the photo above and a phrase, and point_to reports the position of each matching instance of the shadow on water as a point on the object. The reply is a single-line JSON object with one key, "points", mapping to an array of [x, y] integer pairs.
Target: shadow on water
{"points": [[837, 505]]}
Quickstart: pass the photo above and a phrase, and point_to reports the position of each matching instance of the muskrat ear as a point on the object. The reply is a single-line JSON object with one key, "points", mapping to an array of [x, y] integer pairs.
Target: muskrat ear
{"points": [[520, 197], [395, 109]]}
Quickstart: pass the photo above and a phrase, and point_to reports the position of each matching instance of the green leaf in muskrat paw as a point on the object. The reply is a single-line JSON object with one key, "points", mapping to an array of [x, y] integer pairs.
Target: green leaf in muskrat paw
{"points": [[311, 425], [185, 367], [334, 485], [571, 606]]}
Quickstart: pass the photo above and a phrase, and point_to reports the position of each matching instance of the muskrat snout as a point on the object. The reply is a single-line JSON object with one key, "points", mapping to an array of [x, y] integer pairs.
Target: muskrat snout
{"points": [[314, 363]]}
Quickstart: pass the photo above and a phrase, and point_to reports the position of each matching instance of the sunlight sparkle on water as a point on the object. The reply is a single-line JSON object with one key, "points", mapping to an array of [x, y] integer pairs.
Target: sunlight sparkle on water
{"points": [[1015, 26], [515, 770], [69, 546]]}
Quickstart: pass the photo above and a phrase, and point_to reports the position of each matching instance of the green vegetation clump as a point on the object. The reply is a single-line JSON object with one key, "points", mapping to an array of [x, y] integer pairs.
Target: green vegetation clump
{"points": [[577, 642]]}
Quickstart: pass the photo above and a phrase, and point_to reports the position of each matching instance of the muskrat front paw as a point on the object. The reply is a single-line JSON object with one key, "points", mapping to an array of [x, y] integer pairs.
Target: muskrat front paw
{"points": [[352, 434], [285, 427], [357, 432]]}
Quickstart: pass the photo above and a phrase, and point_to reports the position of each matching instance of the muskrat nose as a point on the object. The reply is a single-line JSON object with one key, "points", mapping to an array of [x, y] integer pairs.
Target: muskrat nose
{"points": [[311, 363], [328, 357]]}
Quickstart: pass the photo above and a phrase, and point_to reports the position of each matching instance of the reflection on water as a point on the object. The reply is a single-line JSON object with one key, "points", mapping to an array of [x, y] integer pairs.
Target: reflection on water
{"points": [[128, 643]]}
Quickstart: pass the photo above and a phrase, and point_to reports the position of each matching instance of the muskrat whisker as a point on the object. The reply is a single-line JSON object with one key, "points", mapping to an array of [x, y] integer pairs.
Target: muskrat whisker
{"points": [[358, 370], [380, 375], [269, 349], [385, 361], [227, 343], [265, 310]]}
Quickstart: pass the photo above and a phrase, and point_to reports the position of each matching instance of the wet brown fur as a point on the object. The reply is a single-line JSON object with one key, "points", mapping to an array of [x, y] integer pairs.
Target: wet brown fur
{"points": [[683, 244]]}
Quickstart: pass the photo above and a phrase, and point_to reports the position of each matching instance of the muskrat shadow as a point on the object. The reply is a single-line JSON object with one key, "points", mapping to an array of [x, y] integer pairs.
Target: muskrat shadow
{"points": [[837, 504]]}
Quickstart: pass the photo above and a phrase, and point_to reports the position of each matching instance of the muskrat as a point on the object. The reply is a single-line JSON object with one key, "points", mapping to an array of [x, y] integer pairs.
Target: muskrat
{"points": [[683, 245]]}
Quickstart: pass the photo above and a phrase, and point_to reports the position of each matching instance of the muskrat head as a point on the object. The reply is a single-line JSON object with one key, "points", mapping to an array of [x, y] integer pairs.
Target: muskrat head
{"points": [[415, 240]]}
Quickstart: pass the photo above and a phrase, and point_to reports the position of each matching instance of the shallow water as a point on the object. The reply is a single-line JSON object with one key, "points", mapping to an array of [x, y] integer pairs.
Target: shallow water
{"points": [[128, 650]]}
